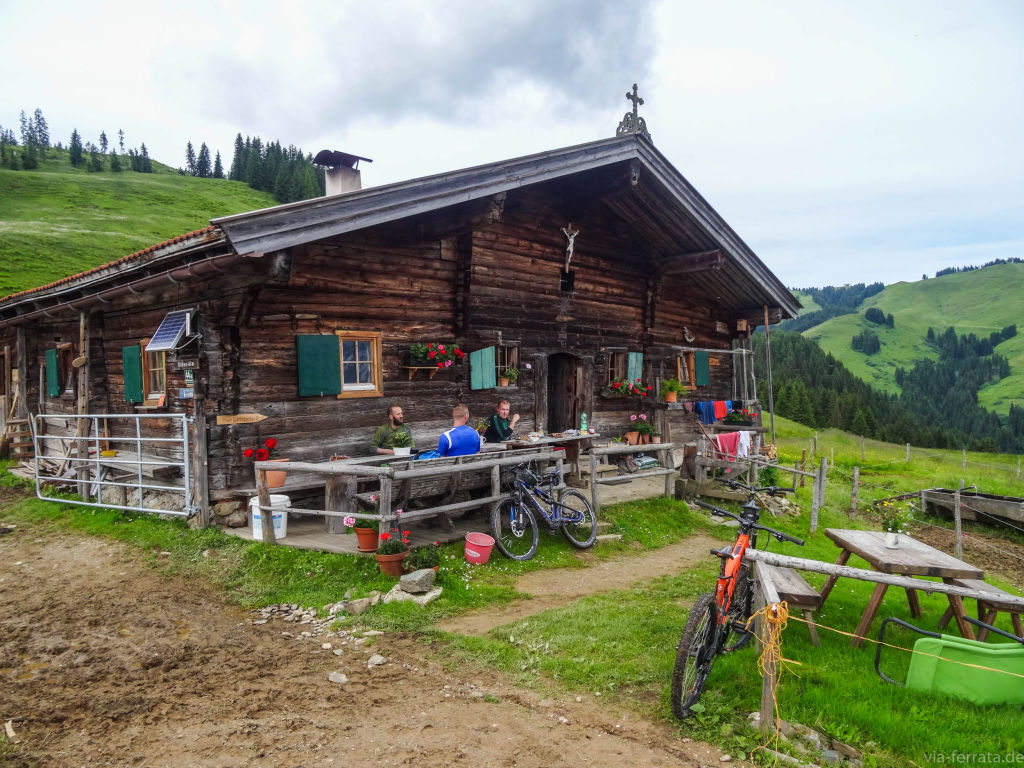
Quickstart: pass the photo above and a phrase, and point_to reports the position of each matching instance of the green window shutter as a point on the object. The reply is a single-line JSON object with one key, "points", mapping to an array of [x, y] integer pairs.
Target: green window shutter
{"points": [[131, 361], [701, 369], [635, 366], [319, 365], [52, 374], [481, 369]]}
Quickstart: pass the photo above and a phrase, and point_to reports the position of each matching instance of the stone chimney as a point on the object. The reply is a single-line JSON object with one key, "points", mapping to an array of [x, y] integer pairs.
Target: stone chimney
{"points": [[341, 171]]}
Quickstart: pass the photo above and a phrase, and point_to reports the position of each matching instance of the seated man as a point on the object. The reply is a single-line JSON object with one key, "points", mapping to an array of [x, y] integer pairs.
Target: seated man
{"points": [[499, 426], [383, 440], [460, 440]]}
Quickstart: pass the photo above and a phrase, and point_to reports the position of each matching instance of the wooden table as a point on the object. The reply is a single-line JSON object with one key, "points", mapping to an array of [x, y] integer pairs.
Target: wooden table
{"points": [[911, 558], [572, 444]]}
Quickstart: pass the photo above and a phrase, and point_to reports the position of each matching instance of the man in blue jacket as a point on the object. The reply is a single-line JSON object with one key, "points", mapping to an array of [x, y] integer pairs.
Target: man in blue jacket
{"points": [[460, 440]]}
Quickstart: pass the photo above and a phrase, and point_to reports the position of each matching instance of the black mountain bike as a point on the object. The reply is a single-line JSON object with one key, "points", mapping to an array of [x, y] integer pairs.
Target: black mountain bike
{"points": [[514, 521], [718, 620]]}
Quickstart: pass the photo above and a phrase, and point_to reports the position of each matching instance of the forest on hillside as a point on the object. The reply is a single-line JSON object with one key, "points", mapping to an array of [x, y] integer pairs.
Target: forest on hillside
{"points": [[938, 406]]}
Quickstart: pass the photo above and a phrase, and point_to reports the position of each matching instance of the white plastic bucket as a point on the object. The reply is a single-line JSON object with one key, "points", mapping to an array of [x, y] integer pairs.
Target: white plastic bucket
{"points": [[280, 517]]}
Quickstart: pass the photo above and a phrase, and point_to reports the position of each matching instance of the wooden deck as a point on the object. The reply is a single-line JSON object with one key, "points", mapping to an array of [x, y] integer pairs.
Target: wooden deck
{"points": [[310, 532]]}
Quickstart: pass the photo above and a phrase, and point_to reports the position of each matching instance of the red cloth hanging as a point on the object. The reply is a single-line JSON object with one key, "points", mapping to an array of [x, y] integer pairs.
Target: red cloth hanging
{"points": [[728, 444], [721, 409]]}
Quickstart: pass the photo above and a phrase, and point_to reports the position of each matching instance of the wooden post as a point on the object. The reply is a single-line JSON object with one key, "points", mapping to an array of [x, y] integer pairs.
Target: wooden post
{"points": [[22, 394], [769, 594], [384, 507], [82, 408], [266, 516], [922, 501], [768, 366], [796, 465], [665, 459], [908, 453], [833, 460], [1018, 467], [814, 446], [957, 522], [819, 487], [803, 466], [853, 493], [201, 477], [339, 496]]}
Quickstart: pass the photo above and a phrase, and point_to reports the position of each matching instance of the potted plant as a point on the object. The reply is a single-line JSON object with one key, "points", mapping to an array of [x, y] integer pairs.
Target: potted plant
{"points": [[366, 530], [627, 388], [428, 556], [896, 517], [740, 417], [435, 355], [275, 477], [644, 427], [394, 546], [638, 426], [508, 377], [401, 443], [656, 437], [670, 389]]}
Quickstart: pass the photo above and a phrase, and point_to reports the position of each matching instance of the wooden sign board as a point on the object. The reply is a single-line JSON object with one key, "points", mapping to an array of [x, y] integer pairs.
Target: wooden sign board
{"points": [[241, 418], [186, 363]]}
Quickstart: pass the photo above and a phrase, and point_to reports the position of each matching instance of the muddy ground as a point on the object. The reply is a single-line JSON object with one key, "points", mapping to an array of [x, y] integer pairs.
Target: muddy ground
{"points": [[104, 662]]}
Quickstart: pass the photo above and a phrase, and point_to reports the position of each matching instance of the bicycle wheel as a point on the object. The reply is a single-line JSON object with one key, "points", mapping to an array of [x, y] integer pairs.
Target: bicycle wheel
{"points": [[737, 635], [579, 523], [695, 655], [515, 530]]}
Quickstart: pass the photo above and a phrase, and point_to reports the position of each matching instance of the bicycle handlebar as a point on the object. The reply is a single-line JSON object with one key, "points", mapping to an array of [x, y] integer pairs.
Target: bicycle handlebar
{"points": [[771, 490], [777, 534]]}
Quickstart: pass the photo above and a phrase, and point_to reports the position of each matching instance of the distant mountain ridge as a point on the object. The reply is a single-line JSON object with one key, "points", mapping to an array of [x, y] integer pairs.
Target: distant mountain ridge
{"points": [[977, 300]]}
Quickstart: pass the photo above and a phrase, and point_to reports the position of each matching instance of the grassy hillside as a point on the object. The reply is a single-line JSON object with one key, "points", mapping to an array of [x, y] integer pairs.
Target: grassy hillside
{"points": [[976, 302], [59, 220], [808, 302]]}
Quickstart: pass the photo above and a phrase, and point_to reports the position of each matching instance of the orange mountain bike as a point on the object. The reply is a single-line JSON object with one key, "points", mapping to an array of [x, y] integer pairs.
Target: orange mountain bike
{"points": [[718, 621]]}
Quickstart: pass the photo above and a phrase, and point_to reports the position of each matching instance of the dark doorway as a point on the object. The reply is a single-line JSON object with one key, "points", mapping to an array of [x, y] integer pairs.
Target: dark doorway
{"points": [[564, 390]]}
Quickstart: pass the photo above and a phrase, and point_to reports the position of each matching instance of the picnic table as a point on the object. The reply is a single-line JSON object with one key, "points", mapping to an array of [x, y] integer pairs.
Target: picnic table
{"points": [[911, 558], [572, 444]]}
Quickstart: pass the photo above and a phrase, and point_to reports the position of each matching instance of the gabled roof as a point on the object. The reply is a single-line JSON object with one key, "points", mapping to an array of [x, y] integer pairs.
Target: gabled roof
{"points": [[684, 219]]}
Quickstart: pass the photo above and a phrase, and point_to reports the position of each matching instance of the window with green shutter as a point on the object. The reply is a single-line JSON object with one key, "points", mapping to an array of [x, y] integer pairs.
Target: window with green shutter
{"points": [[702, 368], [319, 366], [635, 366], [481, 369], [52, 374], [131, 362]]}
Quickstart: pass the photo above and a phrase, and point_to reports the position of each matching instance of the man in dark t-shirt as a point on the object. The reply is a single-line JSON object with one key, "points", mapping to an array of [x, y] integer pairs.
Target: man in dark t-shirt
{"points": [[499, 426]]}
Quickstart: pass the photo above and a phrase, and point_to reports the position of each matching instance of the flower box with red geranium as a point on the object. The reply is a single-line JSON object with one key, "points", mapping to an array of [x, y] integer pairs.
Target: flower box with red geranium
{"points": [[627, 388], [435, 355]]}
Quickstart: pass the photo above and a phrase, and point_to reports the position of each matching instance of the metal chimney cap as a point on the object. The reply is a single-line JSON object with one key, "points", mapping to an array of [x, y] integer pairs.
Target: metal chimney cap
{"points": [[336, 159]]}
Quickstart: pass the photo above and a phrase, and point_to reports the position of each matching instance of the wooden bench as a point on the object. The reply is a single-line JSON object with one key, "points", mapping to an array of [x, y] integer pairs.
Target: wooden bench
{"points": [[792, 588], [989, 606]]}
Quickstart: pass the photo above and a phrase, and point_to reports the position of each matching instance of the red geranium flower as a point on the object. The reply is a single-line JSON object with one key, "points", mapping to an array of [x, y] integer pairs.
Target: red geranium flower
{"points": [[248, 453], [440, 365], [271, 443], [432, 354], [385, 536], [262, 454]]}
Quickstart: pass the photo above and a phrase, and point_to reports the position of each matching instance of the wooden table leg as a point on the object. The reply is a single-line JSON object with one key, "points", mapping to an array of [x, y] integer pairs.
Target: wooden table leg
{"points": [[915, 606], [831, 580], [869, 614], [957, 604]]}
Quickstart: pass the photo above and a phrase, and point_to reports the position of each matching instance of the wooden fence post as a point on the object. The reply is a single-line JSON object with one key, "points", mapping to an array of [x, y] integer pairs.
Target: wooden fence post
{"points": [[853, 493], [818, 493], [803, 466], [1018, 467], [957, 521], [769, 596], [266, 516], [796, 465], [814, 446], [595, 499], [908, 452]]}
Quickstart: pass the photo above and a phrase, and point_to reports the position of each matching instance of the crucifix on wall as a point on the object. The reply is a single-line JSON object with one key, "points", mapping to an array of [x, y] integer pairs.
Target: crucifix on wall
{"points": [[568, 282]]}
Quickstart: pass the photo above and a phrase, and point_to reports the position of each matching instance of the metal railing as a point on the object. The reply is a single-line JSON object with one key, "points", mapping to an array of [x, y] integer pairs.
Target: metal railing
{"points": [[80, 449]]}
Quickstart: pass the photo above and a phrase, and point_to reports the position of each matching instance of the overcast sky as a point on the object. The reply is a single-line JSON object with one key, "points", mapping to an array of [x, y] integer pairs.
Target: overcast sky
{"points": [[844, 141]]}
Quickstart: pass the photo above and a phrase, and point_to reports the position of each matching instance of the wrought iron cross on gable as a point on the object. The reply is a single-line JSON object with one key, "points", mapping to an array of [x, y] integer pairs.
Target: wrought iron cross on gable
{"points": [[632, 122]]}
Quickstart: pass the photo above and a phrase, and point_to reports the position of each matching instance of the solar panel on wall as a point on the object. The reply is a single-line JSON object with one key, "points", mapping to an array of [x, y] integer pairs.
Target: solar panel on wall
{"points": [[170, 331]]}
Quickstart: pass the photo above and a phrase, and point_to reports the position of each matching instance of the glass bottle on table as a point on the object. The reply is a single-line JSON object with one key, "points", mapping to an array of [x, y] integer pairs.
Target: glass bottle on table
{"points": [[583, 423]]}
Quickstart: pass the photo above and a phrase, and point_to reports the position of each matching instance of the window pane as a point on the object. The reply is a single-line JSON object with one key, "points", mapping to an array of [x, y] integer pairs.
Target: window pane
{"points": [[348, 351], [364, 351], [365, 373], [349, 373]]}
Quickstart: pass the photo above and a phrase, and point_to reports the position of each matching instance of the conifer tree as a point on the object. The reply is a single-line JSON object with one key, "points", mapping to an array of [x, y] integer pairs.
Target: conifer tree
{"points": [[103, 142], [237, 160], [75, 148], [203, 162], [218, 167], [115, 162], [146, 164], [120, 139], [95, 160], [190, 160], [42, 130]]}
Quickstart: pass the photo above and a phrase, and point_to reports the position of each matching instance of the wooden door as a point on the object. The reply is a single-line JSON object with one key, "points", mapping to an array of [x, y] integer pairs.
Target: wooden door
{"points": [[563, 393]]}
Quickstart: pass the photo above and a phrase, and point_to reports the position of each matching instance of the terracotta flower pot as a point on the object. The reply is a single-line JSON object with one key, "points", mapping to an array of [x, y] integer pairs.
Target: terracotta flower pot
{"points": [[502, 382], [670, 397], [391, 565], [632, 437], [366, 539], [656, 439], [276, 477], [645, 439]]}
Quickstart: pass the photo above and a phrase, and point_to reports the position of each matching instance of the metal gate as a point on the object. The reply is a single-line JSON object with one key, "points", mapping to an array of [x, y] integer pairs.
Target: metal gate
{"points": [[116, 461]]}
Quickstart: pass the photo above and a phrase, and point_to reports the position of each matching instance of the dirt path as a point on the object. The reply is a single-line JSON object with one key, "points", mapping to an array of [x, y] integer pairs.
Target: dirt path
{"points": [[105, 662], [549, 589]]}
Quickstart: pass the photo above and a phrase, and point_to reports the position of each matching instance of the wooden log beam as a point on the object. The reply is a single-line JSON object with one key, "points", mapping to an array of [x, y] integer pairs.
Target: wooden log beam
{"points": [[686, 263]]}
